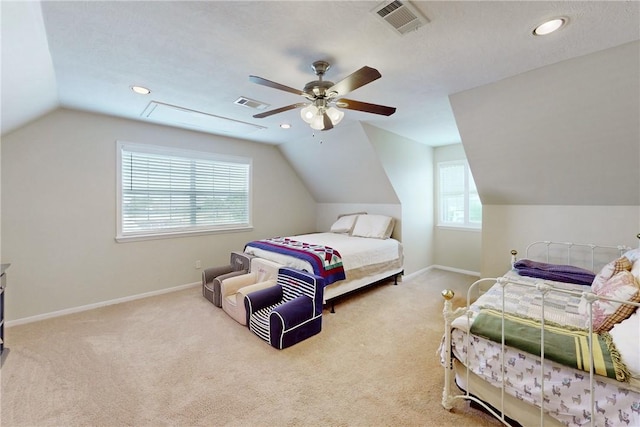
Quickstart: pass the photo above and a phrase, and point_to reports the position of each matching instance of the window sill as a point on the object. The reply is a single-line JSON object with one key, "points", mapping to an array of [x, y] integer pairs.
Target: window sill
{"points": [[459, 228], [178, 234]]}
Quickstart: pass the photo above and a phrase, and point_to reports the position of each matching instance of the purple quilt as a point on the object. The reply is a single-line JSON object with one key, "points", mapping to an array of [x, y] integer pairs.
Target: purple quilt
{"points": [[556, 272], [326, 261]]}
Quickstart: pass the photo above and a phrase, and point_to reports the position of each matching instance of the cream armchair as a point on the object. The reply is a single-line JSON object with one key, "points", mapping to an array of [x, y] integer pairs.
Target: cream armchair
{"points": [[263, 274]]}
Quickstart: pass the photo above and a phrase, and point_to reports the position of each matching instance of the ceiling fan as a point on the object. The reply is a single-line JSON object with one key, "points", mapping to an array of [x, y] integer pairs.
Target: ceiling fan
{"points": [[324, 96]]}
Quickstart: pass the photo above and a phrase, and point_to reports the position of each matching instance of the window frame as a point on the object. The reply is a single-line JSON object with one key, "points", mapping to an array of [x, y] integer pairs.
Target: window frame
{"points": [[159, 233], [468, 177]]}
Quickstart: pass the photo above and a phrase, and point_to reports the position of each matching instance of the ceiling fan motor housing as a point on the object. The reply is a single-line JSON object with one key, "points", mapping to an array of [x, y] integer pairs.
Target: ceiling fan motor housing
{"points": [[317, 88]]}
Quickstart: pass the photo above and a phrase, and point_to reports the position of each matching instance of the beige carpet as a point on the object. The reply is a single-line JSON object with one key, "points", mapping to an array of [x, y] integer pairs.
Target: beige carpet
{"points": [[177, 360]]}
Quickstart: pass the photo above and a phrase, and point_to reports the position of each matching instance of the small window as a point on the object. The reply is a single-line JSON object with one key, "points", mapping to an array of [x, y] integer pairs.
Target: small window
{"points": [[458, 201], [165, 192]]}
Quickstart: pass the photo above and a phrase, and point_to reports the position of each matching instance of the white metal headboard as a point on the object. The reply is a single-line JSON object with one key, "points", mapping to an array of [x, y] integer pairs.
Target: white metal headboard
{"points": [[568, 249]]}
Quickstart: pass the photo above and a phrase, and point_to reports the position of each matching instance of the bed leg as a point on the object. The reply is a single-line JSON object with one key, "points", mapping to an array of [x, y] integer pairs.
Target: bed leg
{"points": [[448, 313], [446, 391], [395, 280], [333, 307]]}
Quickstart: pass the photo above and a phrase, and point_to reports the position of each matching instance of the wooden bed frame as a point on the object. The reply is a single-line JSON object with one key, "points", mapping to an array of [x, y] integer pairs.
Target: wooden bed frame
{"points": [[509, 409]]}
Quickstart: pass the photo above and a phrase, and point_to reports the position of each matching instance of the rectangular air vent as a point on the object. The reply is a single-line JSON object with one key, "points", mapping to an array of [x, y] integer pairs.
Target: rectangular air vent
{"points": [[401, 15], [191, 119], [251, 103]]}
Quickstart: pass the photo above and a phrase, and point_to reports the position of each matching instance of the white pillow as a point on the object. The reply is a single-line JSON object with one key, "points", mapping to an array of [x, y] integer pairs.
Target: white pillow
{"points": [[635, 270], [344, 224], [376, 226], [626, 337], [632, 255]]}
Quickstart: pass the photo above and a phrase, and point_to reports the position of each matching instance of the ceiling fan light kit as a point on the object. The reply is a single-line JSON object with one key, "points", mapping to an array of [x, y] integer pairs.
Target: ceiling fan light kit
{"points": [[321, 112], [314, 116]]}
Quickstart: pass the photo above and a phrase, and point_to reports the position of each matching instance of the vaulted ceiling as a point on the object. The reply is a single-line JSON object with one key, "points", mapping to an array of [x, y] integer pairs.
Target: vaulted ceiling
{"points": [[199, 55]]}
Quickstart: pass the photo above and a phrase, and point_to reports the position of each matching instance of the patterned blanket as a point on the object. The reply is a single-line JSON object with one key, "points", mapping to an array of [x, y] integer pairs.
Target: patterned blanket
{"points": [[569, 347], [326, 261]]}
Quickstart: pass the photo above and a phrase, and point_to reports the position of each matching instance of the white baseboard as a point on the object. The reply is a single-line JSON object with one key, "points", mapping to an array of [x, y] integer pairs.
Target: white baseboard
{"points": [[72, 310], [456, 270], [441, 267], [416, 273]]}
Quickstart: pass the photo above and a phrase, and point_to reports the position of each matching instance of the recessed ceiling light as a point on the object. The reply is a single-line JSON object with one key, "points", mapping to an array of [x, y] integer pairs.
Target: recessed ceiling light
{"points": [[141, 90], [285, 126], [549, 27]]}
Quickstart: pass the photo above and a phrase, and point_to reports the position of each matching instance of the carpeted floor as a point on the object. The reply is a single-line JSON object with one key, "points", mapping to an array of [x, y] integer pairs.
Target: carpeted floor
{"points": [[177, 360]]}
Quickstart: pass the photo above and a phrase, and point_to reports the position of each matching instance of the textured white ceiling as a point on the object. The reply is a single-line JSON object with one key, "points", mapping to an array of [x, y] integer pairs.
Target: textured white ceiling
{"points": [[198, 55]]}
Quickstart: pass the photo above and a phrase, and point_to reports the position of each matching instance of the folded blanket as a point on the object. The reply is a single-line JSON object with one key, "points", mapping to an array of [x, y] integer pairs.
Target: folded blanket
{"points": [[556, 272], [568, 347]]}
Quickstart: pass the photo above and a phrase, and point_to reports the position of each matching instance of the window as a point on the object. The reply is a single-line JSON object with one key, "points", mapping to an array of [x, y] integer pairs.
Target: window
{"points": [[164, 192], [458, 201]]}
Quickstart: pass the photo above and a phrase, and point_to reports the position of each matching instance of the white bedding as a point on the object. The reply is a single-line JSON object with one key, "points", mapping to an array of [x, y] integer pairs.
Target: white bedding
{"points": [[365, 260], [567, 391], [356, 252]]}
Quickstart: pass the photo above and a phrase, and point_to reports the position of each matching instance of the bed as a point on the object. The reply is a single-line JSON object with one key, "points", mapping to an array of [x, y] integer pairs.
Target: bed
{"points": [[356, 252], [553, 342]]}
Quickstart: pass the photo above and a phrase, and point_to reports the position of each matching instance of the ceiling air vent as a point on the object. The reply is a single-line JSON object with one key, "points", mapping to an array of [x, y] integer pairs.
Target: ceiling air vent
{"points": [[251, 103], [401, 15]]}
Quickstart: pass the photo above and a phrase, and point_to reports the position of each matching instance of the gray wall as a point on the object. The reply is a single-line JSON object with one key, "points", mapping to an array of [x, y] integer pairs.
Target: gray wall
{"points": [[555, 153], [565, 134], [409, 166], [507, 227], [59, 213], [455, 248], [59, 206], [359, 167], [341, 166]]}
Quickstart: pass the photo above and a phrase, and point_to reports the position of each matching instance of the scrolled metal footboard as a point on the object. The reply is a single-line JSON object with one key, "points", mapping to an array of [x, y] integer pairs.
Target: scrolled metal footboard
{"points": [[543, 289], [449, 315], [542, 407]]}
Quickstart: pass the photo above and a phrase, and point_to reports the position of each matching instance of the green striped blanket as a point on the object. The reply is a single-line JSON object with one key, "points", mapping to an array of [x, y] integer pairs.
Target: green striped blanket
{"points": [[568, 347]]}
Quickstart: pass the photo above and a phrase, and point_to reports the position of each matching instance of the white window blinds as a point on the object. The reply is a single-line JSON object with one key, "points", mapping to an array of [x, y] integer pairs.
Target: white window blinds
{"points": [[174, 191], [452, 183], [459, 203]]}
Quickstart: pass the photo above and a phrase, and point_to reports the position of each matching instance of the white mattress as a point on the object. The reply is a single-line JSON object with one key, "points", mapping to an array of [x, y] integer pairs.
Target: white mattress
{"points": [[356, 252], [365, 260]]}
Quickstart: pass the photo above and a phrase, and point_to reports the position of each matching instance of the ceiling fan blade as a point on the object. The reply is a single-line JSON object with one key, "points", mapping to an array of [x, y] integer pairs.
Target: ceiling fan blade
{"points": [[350, 104], [274, 85], [352, 82], [327, 122], [279, 110]]}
